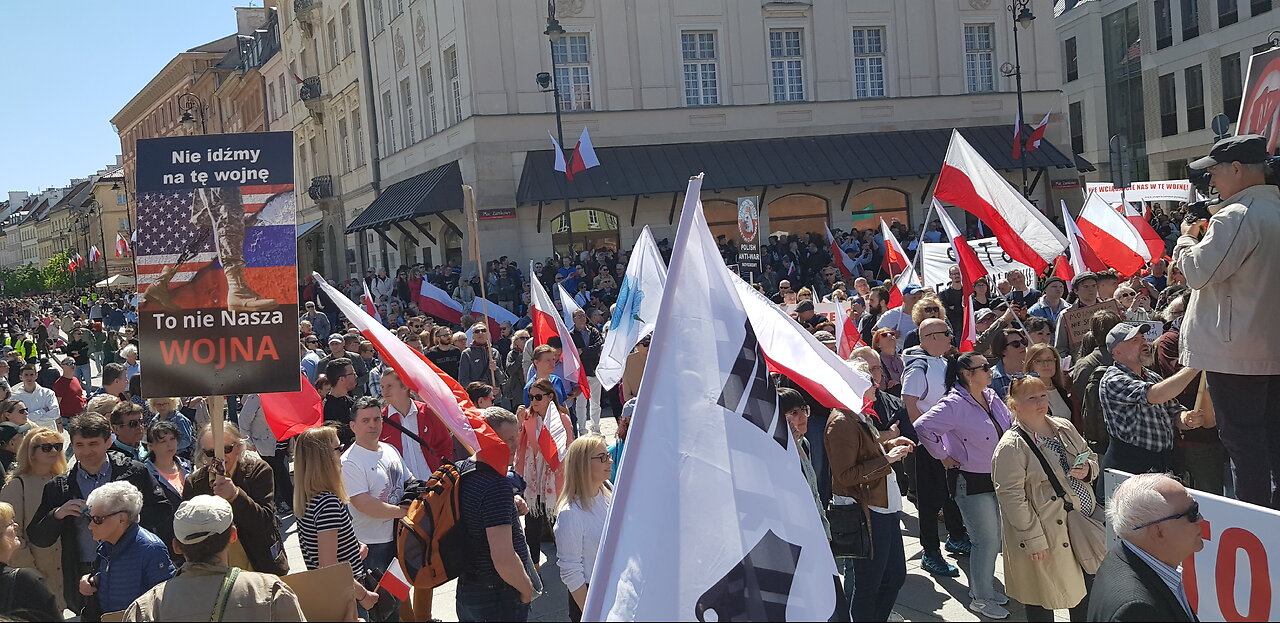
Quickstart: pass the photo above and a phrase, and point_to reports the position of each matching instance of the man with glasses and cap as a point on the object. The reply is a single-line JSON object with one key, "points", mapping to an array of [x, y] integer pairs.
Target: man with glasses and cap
{"points": [[1229, 329], [319, 322]]}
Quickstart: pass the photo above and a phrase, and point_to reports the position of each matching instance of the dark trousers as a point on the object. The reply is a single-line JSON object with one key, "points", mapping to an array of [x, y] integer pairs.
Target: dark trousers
{"points": [[816, 435], [932, 496], [1036, 614], [380, 556], [489, 599], [1248, 410], [575, 611], [877, 580], [1200, 465], [280, 471], [1127, 457], [535, 529]]}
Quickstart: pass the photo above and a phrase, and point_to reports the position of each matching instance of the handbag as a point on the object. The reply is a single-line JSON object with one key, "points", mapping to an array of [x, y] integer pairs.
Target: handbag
{"points": [[1087, 535], [850, 531]]}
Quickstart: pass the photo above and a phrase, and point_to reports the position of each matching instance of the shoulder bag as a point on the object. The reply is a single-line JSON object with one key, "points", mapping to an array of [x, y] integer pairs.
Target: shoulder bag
{"points": [[1087, 535], [850, 531]]}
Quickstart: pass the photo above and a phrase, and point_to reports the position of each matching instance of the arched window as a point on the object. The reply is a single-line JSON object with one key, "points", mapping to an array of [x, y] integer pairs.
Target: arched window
{"points": [[797, 214], [871, 205]]}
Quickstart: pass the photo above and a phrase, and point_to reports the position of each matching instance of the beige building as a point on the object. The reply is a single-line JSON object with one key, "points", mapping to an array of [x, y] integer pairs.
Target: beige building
{"points": [[107, 211]]}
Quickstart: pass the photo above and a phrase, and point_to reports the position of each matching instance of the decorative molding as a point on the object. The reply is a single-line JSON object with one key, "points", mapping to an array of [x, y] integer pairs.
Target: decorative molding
{"points": [[979, 4], [420, 31], [569, 8], [787, 9], [397, 44]]}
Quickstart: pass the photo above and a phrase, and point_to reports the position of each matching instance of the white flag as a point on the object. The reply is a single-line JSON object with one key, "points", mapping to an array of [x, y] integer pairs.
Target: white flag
{"points": [[639, 296], [712, 519], [567, 305]]}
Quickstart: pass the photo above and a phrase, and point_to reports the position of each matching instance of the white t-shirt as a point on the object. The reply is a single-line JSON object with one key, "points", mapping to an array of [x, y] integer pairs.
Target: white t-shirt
{"points": [[891, 483], [414, 461], [382, 475], [928, 385]]}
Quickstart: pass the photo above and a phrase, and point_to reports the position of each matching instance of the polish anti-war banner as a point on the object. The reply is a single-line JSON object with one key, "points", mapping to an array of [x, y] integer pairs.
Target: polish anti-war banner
{"points": [[216, 261]]}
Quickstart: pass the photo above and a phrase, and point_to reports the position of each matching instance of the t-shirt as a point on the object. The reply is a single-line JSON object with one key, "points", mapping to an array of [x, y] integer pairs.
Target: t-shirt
{"points": [[487, 501], [326, 512], [380, 474], [925, 381]]}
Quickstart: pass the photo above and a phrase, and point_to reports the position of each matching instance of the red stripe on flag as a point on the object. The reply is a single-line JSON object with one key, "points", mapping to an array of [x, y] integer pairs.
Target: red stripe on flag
{"points": [[961, 192], [1109, 250], [290, 413]]}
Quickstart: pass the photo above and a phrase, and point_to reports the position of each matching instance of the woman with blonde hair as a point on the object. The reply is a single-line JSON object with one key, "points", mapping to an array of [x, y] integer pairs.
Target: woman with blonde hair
{"points": [[543, 484], [584, 504], [885, 341], [40, 459], [28, 597], [166, 410], [929, 306], [320, 503]]}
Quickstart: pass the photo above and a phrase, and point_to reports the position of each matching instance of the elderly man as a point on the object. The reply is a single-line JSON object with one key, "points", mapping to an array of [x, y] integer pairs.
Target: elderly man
{"points": [[480, 359], [319, 322], [1158, 523], [1229, 330], [589, 341], [1141, 409]]}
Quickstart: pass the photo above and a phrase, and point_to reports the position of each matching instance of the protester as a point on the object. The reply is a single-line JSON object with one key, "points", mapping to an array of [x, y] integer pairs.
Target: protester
{"points": [[1086, 375], [114, 382], [338, 403], [624, 426], [1198, 456], [126, 424], [22, 589], [70, 393], [545, 359], [583, 508], [402, 412], [1009, 349], [929, 306], [885, 342], [589, 341], [78, 349], [1084, 287], [443, 352], [40, 458], [1051, 304], [258, 434], [899, 318], [130, 559], [1038, 330], [169, 469], [14, 412], [545, 483], [479, 361], [792, 406], [166, 410], [41, 402], [1044, 362]]}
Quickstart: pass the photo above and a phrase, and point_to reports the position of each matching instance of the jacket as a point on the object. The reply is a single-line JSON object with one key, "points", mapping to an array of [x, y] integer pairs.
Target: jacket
{"points": [[858, 463], [1127, 589], [253, 424], [1033, 519], [45, 530], [184, 468], [254, 597], [430, 429], [129, 567], [1230, 323], [958, 427], [253, 511], [23, 494], [474, 366], [590, 347]]}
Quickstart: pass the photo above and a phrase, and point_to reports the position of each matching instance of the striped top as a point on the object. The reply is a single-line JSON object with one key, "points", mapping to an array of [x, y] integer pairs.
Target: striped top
{"points": [[1172, 577], [326, 512]]}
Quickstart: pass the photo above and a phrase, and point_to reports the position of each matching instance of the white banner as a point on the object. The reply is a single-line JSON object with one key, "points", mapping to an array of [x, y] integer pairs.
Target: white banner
{"points": [[1230, 579], [1162, 190], [939, 258]]}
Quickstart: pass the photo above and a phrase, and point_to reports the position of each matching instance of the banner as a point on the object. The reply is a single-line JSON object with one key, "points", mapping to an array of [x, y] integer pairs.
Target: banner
{"points": [[939, 257], [1163, 190], [216, 260], [1230, 579], [749, 234], [1260, 108]]}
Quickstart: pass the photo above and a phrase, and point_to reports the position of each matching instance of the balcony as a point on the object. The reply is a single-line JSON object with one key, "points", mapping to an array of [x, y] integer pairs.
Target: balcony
{"points": [[311, 94], [307, 12], [321, 188]]}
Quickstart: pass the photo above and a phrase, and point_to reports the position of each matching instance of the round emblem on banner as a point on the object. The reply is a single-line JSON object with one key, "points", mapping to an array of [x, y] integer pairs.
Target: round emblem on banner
{"points": [[1260, 113], [748, 220]]}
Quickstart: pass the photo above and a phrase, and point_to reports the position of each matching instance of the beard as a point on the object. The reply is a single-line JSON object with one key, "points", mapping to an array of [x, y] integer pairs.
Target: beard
{"points": [[1147, 357]]}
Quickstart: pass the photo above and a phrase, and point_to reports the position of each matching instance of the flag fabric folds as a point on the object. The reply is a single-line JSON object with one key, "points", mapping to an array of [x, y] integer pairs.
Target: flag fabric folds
{"points": [[122, 245], [847, 336], [438, 303], [1037, 134], [1138, 218], [1017, 136], [741, 537], [636, 309], [567, 305], [553, 439], [290, 413], [495, 316], [394, 581], [95, 255], [1083, 259], [561, 165], [584, 156], [848, 270], [369, 307], [900, 269], [1112, 237], [971, 270], [547, 323]]}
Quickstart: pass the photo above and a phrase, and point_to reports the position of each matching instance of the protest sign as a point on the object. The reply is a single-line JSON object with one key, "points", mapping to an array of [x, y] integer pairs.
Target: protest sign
{"points": [[1077, 320], [216, 261], [822, 309], [1260, 107], [939, 257], [325, 594], [749, 234]]}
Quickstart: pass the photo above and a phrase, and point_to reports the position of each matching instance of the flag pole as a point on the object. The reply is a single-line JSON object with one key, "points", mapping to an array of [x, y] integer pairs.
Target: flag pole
{"points": [[473, 230], [919, 258]]}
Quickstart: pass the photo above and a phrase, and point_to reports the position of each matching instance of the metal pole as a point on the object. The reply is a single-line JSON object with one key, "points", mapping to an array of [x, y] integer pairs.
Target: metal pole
{"points": [[1022, 119], [555, 84]]}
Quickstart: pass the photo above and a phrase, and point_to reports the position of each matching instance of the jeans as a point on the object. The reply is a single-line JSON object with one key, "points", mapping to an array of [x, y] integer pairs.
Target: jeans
{"points": [[1127, 457], [279, 463], [489, 599], [877, 580], [982, 518], [1248, 410], [816, 435], [589, 408], [932, 496], [1037, 614], [380, 556], [85, 374]]}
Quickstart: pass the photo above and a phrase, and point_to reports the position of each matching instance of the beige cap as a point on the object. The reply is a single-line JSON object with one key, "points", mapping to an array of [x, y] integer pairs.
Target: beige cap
{"points": [[200, 517]]}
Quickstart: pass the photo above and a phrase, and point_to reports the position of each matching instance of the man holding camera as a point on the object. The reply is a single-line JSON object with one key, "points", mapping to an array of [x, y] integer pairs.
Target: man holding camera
{"points": [[1229, 329]]}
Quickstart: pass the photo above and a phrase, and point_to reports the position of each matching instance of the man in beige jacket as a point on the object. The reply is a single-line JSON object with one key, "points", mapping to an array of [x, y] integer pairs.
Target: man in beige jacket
{"points": [[1230, 332]]}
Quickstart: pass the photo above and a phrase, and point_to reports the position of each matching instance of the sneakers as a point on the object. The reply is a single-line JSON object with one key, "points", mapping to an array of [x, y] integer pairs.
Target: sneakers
{"points": [[937, 565], [1000, 598], [959, 548], [989, 609]]}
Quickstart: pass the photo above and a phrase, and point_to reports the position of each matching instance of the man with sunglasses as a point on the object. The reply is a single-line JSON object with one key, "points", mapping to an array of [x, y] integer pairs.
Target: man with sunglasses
{"points": [[41, 401], [311, 356], [1158, 523], [480, 359], [126, 424], [784, 289]]}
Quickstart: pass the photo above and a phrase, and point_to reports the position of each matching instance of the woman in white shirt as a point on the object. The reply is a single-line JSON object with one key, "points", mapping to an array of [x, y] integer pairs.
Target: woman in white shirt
{"points": [[584, 505]]}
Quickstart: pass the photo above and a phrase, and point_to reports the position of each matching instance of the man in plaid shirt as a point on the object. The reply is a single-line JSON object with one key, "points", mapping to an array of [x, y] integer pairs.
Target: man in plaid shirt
{"points": [[1141, 409]]}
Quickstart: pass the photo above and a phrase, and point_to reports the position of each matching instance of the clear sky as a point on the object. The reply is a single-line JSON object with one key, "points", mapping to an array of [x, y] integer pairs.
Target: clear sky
{"points": [[69, 66]]}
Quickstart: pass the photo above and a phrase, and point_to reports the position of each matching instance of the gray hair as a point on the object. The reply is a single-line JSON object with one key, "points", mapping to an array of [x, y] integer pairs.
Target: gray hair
{"points": [[1136, 501], [115, 497], [864, 353], [129, 350], [859, 364], [1259, 168], [496, 416]]}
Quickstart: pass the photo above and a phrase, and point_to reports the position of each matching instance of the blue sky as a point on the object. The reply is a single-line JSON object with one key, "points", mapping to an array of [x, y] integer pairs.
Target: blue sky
{"points": [[68, 67]]}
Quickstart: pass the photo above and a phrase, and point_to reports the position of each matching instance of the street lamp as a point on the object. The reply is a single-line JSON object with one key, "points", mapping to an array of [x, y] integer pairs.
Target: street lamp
{"points": [[188, 102], [547, 81], [1020, 10]]}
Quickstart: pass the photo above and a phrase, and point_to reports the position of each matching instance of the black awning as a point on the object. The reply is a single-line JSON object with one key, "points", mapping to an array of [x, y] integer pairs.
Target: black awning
{"points": [[1082, 165], [437, 190], [652, 169]]}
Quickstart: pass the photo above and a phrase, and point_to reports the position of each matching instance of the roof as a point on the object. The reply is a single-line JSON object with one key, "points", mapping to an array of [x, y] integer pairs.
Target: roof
{"points": [[437, 190], [651, 169], [221, 44], [74, 197]]}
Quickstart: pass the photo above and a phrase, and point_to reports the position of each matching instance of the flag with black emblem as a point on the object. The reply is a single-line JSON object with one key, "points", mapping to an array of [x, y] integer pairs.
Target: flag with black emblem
{"points": [[712, 519]]}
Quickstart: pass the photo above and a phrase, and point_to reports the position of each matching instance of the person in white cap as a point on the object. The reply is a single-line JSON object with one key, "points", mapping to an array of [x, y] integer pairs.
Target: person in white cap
{"points": [[205, 588]]}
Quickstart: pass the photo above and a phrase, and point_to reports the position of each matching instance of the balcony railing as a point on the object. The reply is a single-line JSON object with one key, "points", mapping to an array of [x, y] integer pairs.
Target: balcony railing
{"points": [[306, 10], [321, 188], [311, 94]]}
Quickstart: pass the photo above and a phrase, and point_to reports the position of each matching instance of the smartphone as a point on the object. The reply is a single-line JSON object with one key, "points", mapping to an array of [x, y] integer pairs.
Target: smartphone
{"points": [[1081, 459]]}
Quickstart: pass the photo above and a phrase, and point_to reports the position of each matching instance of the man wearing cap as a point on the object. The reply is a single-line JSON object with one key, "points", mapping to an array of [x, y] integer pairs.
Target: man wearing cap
{"points": [[827, 339], [1085, 288], [338, 349], [1141, 410], [899, 318], [1050, 306], [1229, 329], [319, 322], [205, 588], [807, 317]]}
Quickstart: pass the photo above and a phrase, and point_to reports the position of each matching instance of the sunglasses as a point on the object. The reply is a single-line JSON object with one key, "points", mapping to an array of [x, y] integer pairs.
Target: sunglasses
{"points": [[130, 424], [98, 521], [208, 453], [1192, 514], [480, 331], [537, 397], [948, 333], [1016, 344], [340, 448], [889, 334], [985, 366], [932, 309], [69, 364], [48, 447]]}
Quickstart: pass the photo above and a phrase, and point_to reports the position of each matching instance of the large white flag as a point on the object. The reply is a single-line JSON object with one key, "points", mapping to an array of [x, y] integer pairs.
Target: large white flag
{"points": [[712, 519], [639, 296]]}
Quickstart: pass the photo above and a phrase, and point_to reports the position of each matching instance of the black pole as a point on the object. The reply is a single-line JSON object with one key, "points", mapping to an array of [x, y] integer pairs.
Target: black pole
{"points": [[555, 86], [1017, 76]]}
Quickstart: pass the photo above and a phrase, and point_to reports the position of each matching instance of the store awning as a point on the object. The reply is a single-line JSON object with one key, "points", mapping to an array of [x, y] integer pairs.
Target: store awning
{"points": [[653, 169], [305, 228], [435, 191]]}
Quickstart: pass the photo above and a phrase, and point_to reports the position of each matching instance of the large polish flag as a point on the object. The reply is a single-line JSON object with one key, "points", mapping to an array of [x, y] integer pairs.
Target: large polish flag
{"points": [[289, 413], [1138, 218], [900, 269], [494, 315], [971, 270], [1112, 237], [367, 300], [848, 270], [848, 338], [1083, 259], [546, 323], [968, 182], [442, 394], [438, 303]]}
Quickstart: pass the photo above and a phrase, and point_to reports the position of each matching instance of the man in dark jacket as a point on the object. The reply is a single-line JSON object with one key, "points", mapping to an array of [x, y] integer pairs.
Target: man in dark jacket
{"points": [[63, 513], [481, 361], [589, 340]]}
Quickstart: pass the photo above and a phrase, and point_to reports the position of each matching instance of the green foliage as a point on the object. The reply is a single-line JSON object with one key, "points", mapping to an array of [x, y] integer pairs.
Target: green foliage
{"points": [[55, 276], [19, 281]]}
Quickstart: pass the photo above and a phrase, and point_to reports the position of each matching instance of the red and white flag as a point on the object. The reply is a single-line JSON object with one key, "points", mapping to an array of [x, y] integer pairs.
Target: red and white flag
{"points": [[971, 270], [1138, 218], [493, 314], [290, 413], [394, 581], [968, 182], [547, 323], [567, 304], [561, 165], [438, 303], [553, 439], [1083, 259], [847, 337], [1017, 136], [843, 261], [1037, 134], [80, 262], [122, 245], [71, 264], [1112, 237], [900, 269], [95, 255], [582, 158], [367, 300]]}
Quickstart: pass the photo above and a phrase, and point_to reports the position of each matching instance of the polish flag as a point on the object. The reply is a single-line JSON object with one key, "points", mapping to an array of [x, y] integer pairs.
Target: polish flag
{"points": [[842, 259], [584, 156], [1138, 218], [1063, 270], [1017, 136], [80, 261], [95, 255], [290, 413], [553, 439], [567, 305], [367, 301], [561, 164], [122, 245], [445, 398], [1037, 133], [897, 265], [971, 270], [394, 581], [547, 323], [495, 316], [438, 303], [1083, 259], [71, 264], [968, 182], [847, 336], [1112, 237]]}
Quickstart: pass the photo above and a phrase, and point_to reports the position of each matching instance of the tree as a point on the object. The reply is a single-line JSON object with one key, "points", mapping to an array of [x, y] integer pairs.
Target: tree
{"points": [[20, 281], [55, 275]]}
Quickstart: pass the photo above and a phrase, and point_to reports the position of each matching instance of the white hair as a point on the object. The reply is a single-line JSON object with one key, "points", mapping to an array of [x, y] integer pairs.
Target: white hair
{"points": [[1135, 502], [864, 353], [114, 497], [129, 350], [859, 364]]}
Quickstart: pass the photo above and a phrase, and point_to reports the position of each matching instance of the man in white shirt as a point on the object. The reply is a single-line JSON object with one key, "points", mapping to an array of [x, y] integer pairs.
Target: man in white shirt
{"points": [[374, 477], [42, 404], [899, 318], [413, 416]]}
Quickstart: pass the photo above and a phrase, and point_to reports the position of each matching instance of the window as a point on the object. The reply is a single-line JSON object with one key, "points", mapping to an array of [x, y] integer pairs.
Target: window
{"points": [[348, 37], [272, 107], [1168, 105], [1164, 24], [1232, 86], [455, 82], [357, 134], [1258, 7], [593, 219], [284, 91], [334, 55], [1070, 57], [379, 18], [701, 75], [302, 164], [786, 65], [388, 124], [1075, 119], [1190, 19], [345, 144], [1228, 12], [868, 62], [1194, 78], [122, 199], [429, 96], [406, 106], [979, 57], [573, 71], [399, 7]]}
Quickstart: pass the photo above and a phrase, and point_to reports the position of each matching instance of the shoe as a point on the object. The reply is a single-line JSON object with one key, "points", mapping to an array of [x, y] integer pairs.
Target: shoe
{"points": [[960, 548], [1000, 598], [937, 565], [989, 609]]}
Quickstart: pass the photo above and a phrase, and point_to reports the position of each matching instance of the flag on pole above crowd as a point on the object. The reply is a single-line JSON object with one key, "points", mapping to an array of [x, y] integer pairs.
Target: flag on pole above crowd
{"points": [[742, 539], [896, 264], [636, 309], [367, 300], [438, 303], [971, 270], [1112, 237], [1037, 134], [848, 269], [95, 255], [582, 158], [1139, 219], [567, 304], [847, 336], [122, 245], [496, 315], [546, 324]]}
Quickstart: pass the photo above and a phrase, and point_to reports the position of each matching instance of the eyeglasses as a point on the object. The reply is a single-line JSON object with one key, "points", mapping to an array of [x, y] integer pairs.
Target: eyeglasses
{"points": [[340, 448], [948, 333], [208, 453], [48, 447], [312, 342], [1192, 514], [603, 457], [24, 410], [537, 397], [1045, 361], [889, 334], [479, 331], [130, 424], [985, 366], [1016, 344], [932, 309], [99, 520]]}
